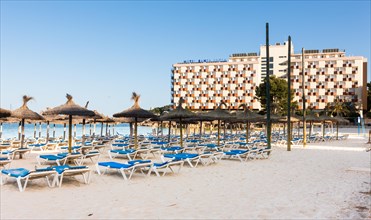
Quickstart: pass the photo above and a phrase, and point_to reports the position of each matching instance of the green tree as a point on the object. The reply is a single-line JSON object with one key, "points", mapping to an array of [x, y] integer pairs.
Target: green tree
{"points": [[278, 93], [160, 110], [338, 108]]}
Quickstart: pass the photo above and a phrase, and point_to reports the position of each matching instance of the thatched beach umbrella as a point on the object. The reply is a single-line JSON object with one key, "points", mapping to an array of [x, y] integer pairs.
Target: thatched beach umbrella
{"points": [[70, 109], [248, 116], [325, 118], [338, 119], [4, 113], [135, 112], [24, 113], [179, 113], [219, 114]]}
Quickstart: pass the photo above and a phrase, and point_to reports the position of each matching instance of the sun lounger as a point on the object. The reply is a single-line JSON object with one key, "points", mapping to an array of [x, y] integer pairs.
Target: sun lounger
{"points": [[189, 158], [173, 149], [23, 174], [66, 170], [124, 168], [129, 153], [90, 155], [59, 159], [4, 161], [237, 154], [264, 152], [165, 166]]}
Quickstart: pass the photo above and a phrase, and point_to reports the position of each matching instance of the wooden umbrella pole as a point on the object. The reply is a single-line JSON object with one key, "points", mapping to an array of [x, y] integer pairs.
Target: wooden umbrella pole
{"points": [[1, 129], [22, 137], [83, 132], [34, 131], [70, 134], [136, 134], [40, 130], [94, 128], [83, 127], [200, 129], [74, 130], [218, 132], [181, 133], [90, 129], [47, 131], [337, 130], [64, 131], [53, 130], [101, 129], [19, 130], [106, 128], [247, 132], [168, 137]]}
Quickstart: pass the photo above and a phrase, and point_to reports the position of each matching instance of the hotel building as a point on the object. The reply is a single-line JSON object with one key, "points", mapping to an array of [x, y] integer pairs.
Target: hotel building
{"points": [[329, 74]]}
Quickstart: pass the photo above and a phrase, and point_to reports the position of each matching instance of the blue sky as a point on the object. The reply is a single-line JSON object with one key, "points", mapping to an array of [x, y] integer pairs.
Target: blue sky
{"points": [[101, 51]]}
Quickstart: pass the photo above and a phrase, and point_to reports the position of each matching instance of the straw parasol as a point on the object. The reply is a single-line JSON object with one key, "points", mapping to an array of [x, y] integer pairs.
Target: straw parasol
{"points": [[179, 113], [135, 112], [219, 114], [25, 113], [247, 116], [325, 118], [70, 109], [4, 113], [339, 119]]}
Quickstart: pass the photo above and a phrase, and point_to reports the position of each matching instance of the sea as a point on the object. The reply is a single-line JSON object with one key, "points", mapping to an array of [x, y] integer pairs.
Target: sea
{"points": [[10, 130]]}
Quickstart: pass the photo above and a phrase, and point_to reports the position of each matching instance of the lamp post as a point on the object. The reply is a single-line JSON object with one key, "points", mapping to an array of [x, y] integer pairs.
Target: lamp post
{"points": [[289, 97], [303, 98], [268, 98]]}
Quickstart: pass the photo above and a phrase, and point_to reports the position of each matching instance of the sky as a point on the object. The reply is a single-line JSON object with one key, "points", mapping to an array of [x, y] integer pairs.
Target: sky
{"points": [[102, 51]]}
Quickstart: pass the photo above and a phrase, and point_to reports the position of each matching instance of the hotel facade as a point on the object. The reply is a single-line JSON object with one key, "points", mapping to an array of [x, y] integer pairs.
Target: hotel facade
{"points": [[329, 76]]}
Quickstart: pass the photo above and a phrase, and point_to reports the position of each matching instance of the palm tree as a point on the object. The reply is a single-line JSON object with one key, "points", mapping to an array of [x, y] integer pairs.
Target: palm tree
{"points": [[338, 108]]}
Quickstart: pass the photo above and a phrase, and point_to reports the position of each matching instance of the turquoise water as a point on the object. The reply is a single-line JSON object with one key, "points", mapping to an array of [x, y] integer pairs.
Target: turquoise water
{"points": [[10, 130]]}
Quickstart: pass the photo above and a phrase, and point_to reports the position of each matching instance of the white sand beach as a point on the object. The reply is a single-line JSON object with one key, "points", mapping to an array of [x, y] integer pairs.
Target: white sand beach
{"points": [[325, 180]]}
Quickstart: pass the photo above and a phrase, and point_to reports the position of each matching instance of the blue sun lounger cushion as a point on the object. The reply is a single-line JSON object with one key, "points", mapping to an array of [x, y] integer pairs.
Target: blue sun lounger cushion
{"points": [[128, 151], [17, 172], [133, 162], [235, 152], [51, 157], [61, 169], [160, 164], [115, 165]]}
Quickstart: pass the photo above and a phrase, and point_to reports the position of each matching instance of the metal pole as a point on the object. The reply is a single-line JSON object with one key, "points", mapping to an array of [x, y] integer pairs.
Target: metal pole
{"points": [[268, 96], [303, 98], [289, 98]]}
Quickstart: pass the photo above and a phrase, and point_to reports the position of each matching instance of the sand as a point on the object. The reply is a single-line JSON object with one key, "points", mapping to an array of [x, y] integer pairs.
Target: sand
{"points": [[324, 180]]}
